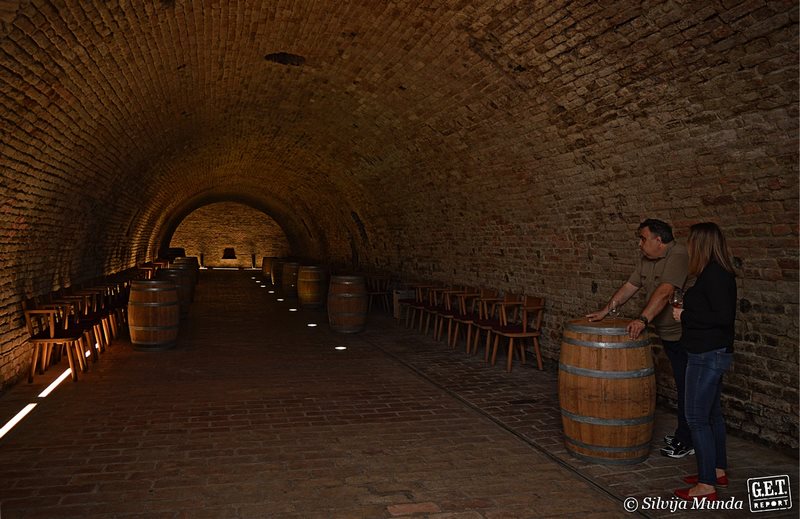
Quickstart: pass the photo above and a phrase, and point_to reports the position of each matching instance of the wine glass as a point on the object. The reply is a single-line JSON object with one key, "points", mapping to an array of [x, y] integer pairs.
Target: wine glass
{"points": [[676, 300], [613, 309]]}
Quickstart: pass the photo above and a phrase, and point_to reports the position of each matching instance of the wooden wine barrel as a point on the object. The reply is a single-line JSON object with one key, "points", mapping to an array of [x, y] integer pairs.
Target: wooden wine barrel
{"points": [[607, 392], [183, 278], [311, 285], [275, 272], [347, 304], [289, 278], [266, 266], [153, 314], [190, 262], [192, 273]]}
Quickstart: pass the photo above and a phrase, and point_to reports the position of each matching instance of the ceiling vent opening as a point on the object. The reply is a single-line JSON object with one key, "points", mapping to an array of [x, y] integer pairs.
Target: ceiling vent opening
{"points": [[286, 58]]}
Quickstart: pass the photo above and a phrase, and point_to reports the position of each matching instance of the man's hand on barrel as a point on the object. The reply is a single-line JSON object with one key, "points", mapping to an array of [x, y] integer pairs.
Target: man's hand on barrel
{"points": [[598, 315], [618, 299], [635, 328]]}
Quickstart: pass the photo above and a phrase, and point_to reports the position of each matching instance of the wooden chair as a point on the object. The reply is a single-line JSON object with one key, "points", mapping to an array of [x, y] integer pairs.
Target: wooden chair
{"points": [[378, 291], [112, 288], [468, 311], [404, 309], [401, 298], [118, 302], [417, 305], [489, 317], [439, 308], [429, 308], [97, 315], [80, 305], [50, 331], [98, 311], [520, 320], [147, 270], [449, 307]]}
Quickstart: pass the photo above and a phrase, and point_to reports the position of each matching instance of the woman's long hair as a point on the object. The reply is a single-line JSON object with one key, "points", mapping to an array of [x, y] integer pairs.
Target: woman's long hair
{"points": [[707, 243]]}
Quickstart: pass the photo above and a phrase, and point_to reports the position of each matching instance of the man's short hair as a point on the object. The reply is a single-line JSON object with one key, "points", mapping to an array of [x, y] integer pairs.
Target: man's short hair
{"points": [[659, 228]]}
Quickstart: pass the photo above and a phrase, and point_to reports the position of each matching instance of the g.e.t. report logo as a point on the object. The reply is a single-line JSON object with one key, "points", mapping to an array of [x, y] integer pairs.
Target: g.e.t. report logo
{"points": [[769, 493]]}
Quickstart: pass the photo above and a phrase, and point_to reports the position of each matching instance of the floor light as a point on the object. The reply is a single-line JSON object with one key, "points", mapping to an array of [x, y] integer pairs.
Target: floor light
{"points": [[14, 421], [56, 382]]}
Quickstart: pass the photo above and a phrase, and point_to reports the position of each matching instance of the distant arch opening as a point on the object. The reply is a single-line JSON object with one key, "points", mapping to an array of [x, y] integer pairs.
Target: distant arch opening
{"points": [[212, 230]]}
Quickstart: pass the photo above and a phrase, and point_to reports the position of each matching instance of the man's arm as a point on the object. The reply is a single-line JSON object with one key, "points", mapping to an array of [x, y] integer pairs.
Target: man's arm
{"points": [[658, 300], [624, 293]]}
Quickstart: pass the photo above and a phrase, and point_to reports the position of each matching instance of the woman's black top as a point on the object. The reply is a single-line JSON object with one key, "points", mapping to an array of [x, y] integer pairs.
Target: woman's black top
{"points": [[709, 311]]}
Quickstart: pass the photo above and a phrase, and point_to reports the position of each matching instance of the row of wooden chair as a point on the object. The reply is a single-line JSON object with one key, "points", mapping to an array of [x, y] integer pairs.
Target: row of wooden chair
{"points": [[77, 322], [477, 313], [378, 291]]}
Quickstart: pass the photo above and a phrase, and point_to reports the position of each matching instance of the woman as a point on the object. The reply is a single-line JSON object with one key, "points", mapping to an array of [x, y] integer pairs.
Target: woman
{"points": [[707, 321]]}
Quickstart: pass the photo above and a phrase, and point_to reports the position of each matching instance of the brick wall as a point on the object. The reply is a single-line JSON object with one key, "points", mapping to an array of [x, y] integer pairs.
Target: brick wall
{"points": [[510, 145], [208, 231]]}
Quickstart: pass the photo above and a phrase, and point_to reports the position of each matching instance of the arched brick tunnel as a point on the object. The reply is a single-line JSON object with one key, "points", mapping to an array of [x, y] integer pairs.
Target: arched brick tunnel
{"points": [[514, 145]]}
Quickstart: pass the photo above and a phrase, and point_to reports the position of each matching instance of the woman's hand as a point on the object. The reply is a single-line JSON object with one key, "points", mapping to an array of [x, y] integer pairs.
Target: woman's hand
{"points": [[676, 313]]}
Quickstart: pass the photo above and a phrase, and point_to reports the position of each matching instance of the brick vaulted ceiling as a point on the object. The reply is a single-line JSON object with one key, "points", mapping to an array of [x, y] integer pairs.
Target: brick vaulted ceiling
{"points": [[511, 144], [441, 125]]}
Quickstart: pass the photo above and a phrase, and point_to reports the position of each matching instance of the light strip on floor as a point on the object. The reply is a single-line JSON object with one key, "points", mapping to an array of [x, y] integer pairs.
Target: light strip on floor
{"points": [[56, 382], [14, 421]]}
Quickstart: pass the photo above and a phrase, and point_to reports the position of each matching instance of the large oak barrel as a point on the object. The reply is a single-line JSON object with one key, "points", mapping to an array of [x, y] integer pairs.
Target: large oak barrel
{"points": [[275, 272], [311, 285], [289, 278], [607, 392], [191, 263], [347, 304], [266, 266], [183, 278], [153, 314], [192, 276]]}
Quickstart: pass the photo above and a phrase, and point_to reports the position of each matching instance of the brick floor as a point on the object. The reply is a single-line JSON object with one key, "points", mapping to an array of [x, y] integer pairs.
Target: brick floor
{"points": [[255, 414]]}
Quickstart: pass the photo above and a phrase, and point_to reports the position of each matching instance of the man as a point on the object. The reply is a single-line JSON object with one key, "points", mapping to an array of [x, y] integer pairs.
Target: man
{"points": [[662, 267]]}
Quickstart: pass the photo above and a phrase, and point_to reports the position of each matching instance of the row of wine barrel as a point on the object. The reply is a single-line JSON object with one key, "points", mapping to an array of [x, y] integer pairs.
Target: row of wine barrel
{"points": [[156, 306], [606, 380], [308, 283], [346, 296]]}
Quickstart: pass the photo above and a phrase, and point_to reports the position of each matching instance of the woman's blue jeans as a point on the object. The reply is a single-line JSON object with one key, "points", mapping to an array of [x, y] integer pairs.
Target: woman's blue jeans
{"points": [[704, 413]]}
